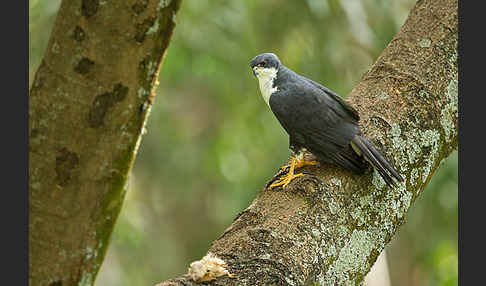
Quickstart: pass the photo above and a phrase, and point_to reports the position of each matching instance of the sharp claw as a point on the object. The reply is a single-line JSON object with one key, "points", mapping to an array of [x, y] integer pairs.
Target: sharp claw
{"points": [[285, 181], [294, 164]]}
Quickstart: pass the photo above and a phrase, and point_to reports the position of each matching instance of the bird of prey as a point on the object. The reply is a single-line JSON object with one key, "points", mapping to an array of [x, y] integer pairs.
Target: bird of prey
{"points": [[318, 121]]}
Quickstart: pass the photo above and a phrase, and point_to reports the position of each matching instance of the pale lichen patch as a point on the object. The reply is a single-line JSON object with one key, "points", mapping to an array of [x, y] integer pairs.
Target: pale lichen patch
{"points": [[411, 147], [352, 258], [316, 233], [55, 48], [414, 176], [163, 4], [448, 114], [154, 28], [333, 207], [151, 69], [365, 201], [406, 199], [335, 182], [398, 142], [395, 206], [265, 256], [90, 253], [382, 95], [86, 279], [431, 138], [424, 43], [453, 59], [424, 94], [377, 180], [142, 93], [331, 251], [357, 215]]}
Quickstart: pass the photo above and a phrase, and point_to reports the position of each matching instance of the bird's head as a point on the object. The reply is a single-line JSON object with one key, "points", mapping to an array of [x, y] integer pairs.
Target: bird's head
{"points": [[264, 65]]}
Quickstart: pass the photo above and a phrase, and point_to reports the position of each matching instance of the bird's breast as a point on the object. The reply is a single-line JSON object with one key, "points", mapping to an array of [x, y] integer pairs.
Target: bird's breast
{"points": [[266, 82], [267, 90]]}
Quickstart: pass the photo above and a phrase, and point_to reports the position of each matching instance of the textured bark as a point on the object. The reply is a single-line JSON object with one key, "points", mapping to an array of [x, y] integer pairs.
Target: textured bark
{"points": [[88, 105], [329, 226]]}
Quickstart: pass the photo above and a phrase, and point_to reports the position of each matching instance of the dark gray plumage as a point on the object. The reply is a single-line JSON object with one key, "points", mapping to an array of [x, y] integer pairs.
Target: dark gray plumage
{"points": [[317, 119]]}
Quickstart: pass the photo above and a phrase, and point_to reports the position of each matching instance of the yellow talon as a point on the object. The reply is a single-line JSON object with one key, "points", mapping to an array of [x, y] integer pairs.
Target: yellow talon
{"points": [[285, 181], [294, 164]]}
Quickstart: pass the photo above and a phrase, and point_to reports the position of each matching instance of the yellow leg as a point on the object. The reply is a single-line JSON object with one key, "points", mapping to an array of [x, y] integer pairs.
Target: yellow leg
{"points": [[294, 164], [300, 164]]}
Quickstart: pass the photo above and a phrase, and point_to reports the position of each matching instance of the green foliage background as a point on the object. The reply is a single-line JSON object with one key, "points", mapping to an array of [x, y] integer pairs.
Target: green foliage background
{"points": [[212, 142]]}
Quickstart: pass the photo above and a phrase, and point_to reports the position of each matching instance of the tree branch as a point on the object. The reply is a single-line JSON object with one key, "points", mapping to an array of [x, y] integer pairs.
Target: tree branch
{"points": [[89, 102], [329, 226]]}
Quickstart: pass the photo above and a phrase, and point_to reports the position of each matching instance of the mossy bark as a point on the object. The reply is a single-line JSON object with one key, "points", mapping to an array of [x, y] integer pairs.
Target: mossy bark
{"points": [[329, 226], [88, 105]]}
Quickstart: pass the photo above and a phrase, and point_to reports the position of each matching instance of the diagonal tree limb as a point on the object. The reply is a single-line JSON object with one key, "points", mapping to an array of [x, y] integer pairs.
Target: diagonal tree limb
{"points": [[88, 105], [329, 226]]}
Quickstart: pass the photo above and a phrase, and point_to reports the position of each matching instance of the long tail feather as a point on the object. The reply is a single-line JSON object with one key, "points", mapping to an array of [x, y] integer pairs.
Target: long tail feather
{"points": [[369, 152]]}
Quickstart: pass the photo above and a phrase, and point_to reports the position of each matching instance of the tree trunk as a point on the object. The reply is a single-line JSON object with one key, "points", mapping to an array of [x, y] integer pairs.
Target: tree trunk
{"points": [[89, 102], [329, 226]]}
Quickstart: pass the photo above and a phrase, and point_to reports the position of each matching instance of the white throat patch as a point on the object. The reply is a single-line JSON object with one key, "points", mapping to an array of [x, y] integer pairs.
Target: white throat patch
{"points": [[266, 76]]}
